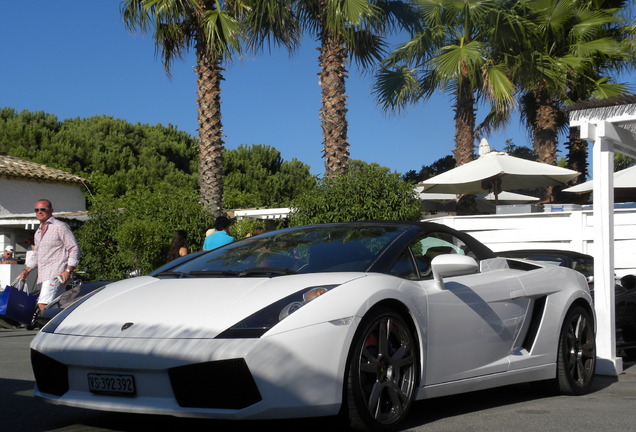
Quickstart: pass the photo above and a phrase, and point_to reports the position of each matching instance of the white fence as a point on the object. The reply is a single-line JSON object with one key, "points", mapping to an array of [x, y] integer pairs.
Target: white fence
{"points": [[566, 230]]}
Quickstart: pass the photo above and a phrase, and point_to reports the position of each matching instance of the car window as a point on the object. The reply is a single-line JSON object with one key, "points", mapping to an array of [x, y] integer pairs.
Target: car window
{"points": [[299, 250], [434, 244], [584, 266], [404, 267]]}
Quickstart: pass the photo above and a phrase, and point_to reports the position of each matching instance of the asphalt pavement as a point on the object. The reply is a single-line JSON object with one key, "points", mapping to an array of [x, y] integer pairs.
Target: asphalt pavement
{"points": [[610, 406]]}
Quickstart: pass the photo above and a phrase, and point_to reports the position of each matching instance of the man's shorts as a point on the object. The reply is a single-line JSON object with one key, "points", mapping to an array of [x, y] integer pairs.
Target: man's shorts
{"points": [[50, 290]]}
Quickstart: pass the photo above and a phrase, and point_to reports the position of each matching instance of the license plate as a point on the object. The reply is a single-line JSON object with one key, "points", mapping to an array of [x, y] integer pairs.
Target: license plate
{"points": [[111, 384]]}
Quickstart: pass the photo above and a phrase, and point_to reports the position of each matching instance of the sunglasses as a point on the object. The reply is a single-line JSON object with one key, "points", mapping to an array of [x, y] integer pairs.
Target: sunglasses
{"points": [[41, 209]]}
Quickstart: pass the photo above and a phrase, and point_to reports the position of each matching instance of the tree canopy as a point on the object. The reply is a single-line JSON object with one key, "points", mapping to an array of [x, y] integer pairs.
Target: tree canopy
{"points": [[216, 31], [364, 192], [144, 183], [257, 176], [114, 155]]}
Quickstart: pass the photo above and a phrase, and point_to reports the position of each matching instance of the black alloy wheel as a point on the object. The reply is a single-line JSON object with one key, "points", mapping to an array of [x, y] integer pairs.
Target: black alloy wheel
{"points": [[576, 358], [382, 372]]}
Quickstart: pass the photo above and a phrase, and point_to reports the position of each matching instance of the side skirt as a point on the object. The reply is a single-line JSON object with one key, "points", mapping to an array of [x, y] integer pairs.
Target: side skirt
{"points": [[538, 373]]}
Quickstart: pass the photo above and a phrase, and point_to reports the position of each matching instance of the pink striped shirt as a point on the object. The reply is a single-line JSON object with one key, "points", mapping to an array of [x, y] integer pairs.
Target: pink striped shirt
{"points": [[54, 250]]}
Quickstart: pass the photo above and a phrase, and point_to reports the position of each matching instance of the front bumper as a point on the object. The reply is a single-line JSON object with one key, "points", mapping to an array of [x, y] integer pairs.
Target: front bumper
{"points": [[293, 374]]}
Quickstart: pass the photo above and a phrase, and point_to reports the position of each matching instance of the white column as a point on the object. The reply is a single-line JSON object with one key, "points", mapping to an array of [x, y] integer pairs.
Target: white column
{"points": [[603, 182], [5, 240]]}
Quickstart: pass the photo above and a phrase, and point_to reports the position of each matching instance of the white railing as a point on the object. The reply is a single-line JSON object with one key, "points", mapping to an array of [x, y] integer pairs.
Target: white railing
{"points": [[566, 230]]}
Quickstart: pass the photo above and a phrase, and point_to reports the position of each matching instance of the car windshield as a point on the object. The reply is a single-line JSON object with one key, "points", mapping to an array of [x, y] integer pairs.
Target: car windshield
{"points": [[328, 248]]}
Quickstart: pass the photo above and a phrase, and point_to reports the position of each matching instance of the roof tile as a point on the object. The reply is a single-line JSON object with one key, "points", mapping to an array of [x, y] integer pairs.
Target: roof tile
{"points": [[16, 168]]}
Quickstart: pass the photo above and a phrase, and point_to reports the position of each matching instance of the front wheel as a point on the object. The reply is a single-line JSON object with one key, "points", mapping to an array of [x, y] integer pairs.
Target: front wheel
{"points": [[576, 358], [381, 373]]}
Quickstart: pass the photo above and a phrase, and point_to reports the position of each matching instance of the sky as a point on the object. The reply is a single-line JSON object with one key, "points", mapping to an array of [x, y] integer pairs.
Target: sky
{"points": [[75, 58]]}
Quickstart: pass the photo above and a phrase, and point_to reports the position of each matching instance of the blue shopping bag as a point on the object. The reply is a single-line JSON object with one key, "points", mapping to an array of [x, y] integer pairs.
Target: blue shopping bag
{"points": [[17, 304]]}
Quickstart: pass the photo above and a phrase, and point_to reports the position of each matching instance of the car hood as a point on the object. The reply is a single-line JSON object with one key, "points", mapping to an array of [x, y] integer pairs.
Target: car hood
{"points": [[147, 307]]}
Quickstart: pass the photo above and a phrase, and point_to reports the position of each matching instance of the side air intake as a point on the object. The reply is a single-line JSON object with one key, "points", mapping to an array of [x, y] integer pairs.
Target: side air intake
{"points": [[535, 323]]}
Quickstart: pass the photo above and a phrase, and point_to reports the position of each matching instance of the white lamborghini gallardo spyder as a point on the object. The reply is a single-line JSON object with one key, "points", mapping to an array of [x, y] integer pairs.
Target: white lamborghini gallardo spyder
{"points": [[353, 319]]}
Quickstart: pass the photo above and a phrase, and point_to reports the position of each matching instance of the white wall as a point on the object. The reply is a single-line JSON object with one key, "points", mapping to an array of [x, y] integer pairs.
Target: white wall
{"points": [[9, 273], [18, 197], [556, 230]]}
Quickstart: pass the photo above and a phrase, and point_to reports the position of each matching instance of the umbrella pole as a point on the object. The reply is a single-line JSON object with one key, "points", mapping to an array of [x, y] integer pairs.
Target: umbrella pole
{"points": [[495, 189]]}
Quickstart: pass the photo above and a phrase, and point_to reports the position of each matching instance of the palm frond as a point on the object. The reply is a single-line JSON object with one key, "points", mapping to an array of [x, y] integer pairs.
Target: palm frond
{"points": [[271, 22], [592, 23], [605, 47], [342, 14], [396, 88], [412, 52], [222, 34], [452, 61], [365, 47], [496, 119], [171, 42], [606, 90], [497, 86]]}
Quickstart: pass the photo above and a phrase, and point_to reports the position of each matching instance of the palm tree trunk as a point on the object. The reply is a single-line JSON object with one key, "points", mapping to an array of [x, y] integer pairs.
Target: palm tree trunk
{"points": [[465, 139], [577, 155], [333, 112], [545, 132], [209, 77], [464, 125]]}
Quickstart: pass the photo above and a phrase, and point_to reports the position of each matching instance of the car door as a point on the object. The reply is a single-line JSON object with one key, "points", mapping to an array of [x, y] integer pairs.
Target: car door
{"points": [[473, 321]]}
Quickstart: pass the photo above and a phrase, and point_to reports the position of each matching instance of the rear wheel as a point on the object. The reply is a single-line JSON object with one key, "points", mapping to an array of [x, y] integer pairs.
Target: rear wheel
{"points": [[381, 374], [576, 358]]}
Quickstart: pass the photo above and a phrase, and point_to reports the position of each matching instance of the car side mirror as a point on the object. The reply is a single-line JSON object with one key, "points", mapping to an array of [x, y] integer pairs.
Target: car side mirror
{"points": [[452, 265], [628, 281]]}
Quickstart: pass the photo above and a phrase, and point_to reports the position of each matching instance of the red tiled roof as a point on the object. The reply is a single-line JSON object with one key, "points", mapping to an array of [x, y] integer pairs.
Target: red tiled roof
{"points": [[16, 168]]}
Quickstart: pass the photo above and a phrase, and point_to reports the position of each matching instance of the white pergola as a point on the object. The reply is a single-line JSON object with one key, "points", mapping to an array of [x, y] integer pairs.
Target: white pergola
{"points": [[610, 124]]}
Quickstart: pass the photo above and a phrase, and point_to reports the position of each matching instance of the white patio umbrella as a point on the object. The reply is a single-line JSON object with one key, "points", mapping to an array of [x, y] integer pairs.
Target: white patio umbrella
{"points": [[496, 172], [623, 179], [484, 147], [507, 197], [503, 196]]}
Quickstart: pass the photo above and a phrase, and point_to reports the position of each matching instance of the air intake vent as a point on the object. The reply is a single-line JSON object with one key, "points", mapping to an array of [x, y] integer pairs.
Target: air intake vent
{"points": [[535, 323], [51, 376], [521, 265], [224, 384]]}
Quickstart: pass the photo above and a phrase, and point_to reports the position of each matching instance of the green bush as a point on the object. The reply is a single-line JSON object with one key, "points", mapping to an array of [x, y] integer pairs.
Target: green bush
{"points": [[131, 235], [365, 192]]}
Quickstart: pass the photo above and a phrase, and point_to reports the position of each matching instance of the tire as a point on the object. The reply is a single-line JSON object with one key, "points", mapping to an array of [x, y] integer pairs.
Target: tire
{"points": [[576, 357], [381, 373]]}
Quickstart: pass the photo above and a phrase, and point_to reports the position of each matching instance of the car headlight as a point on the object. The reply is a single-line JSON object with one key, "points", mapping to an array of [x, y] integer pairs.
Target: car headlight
{"points": [[54, 323], [257, 324]]}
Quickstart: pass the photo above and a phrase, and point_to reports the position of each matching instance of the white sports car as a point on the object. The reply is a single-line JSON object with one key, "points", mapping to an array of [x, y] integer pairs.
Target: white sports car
{"points": [[358, 319]]}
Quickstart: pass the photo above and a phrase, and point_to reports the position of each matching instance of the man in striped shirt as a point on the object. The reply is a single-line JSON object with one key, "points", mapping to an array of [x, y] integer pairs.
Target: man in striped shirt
{"points": [[56, 254]]}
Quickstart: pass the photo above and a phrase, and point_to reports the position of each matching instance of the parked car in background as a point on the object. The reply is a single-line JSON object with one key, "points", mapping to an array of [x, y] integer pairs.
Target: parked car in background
{"points": [[624, 289], [358, 319]]}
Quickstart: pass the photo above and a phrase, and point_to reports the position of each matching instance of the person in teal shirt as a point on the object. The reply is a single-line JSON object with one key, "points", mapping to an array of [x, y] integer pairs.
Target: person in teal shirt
{"points": [[220, 237]]}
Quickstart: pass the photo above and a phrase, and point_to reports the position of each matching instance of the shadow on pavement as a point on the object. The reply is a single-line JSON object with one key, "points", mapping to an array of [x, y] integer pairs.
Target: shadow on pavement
{"points": [[432, 410], [20, 411]]}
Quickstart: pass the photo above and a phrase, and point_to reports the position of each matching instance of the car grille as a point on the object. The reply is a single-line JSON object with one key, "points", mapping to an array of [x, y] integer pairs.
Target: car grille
{"points": [[51, 376], [223, 384]]}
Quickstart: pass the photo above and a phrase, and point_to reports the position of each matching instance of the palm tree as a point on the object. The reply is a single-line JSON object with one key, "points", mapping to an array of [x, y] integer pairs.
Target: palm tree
{"points": [[344, 29], [577, 147], [571, 46], [452, 53], [217, 30]]}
